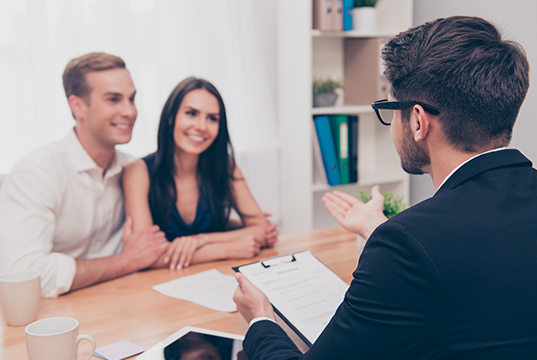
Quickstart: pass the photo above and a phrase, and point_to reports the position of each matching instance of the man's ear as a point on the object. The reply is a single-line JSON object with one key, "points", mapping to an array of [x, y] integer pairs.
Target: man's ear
{"points": [[420, 123], [78, 107]]}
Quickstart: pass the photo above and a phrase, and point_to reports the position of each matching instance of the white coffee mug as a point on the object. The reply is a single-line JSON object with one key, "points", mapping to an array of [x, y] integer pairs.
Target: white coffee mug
{"points": [[20, 294], [55, 339]]}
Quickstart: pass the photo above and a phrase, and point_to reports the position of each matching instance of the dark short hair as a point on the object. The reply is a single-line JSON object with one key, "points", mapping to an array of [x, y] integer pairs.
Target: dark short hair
{"points": [[74, 75], [461, 66]]}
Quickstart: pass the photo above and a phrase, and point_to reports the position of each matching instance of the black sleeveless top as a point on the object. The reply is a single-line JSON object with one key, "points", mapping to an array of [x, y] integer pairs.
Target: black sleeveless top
{"points": [[203, 223]]}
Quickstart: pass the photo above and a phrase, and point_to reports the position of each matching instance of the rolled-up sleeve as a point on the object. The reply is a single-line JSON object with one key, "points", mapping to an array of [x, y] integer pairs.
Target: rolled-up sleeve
{"points": [[28, 204]]}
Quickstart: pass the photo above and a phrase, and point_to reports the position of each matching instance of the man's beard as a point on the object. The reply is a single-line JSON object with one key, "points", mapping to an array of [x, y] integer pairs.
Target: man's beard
{"points": [[413, 158]]}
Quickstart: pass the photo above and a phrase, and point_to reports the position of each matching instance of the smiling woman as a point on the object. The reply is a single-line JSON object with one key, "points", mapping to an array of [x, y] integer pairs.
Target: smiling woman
{"points": [[196, 123], [191, 184]]}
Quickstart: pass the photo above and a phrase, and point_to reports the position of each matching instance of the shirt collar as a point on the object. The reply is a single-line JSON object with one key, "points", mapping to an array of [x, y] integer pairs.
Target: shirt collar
{"points": [[81, 160], [470, 159]]}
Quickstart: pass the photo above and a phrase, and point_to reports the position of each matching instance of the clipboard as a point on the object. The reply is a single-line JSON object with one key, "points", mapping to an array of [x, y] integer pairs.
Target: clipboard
{"points": [[303, 291]]}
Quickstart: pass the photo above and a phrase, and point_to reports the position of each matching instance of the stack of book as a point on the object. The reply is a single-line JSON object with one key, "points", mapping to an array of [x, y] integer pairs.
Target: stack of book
{"points": [[336, 147]]}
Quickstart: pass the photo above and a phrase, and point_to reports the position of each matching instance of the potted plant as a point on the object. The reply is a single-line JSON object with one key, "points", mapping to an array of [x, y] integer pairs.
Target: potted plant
{"points": [[324, 92], [364, 15], [393, 205]]}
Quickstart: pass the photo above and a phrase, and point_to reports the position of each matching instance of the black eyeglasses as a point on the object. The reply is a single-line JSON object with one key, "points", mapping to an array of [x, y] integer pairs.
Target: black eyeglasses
{"points": [[384, 109]]}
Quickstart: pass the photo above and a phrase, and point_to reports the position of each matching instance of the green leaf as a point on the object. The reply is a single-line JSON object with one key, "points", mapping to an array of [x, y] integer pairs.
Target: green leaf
{"points": [[363, 196], [393, 205]]}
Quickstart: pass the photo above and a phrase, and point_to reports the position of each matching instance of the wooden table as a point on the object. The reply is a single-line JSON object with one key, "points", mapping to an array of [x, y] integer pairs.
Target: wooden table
{"points": [[128, 308]]}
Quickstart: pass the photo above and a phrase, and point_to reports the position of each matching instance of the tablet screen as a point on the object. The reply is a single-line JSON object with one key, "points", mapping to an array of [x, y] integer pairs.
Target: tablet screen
{"points": [[197, 346]]}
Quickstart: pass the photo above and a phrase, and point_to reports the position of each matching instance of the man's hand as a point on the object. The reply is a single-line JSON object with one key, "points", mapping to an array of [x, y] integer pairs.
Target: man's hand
{"points": [[181, 251], [271, 232], [251, 302], [142, 249], [353, 214]]}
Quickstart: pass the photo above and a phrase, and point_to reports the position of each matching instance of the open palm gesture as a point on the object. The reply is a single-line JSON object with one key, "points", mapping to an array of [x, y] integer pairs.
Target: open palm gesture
{"points": [[354, 215]]}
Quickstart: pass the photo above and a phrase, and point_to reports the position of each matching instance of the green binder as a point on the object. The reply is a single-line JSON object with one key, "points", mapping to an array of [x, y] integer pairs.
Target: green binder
{"points": [[340, 132]]}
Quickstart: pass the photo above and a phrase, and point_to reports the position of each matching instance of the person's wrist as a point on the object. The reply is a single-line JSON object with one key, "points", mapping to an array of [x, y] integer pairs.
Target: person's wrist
{"points": [[221, 250], [260, 318], [264, 310], [359, 229], [368, 230], [125, 263], [202, 239], [266, 313]]}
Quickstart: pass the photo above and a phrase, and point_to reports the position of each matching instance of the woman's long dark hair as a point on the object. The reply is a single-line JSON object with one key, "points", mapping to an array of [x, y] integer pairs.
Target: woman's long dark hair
{"points": [[215, 165]]}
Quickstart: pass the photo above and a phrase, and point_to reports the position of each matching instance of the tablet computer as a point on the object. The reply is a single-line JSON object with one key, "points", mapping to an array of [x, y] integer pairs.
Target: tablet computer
{"points": [[196, 343]]}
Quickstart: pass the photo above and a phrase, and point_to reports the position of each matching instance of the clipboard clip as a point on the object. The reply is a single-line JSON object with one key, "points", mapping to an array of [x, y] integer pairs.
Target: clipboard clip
{"points": [[284, 259]]}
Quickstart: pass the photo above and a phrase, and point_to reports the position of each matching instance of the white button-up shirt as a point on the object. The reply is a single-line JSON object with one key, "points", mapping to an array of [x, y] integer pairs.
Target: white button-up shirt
{"points": [[56, 206]]}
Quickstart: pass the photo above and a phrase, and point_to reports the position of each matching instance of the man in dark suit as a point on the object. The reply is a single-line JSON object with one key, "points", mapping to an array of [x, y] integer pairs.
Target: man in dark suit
{"points": [[454, 277]]}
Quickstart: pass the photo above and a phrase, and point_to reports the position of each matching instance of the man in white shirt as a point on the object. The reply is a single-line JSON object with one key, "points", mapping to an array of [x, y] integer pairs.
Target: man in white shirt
{"points": [[61, 208]]}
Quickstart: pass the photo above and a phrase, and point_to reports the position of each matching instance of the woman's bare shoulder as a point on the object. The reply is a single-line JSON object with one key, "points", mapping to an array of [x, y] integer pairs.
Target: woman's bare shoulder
{"points": [[136, 172], [137, 166]]}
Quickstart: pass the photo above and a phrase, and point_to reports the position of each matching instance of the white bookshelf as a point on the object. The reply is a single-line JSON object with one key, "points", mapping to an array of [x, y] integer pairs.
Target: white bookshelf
{"points": [[303, 54]]}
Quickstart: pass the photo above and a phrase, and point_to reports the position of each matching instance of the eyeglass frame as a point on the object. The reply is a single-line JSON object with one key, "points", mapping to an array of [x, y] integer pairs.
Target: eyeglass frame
{"points": [[398, 105]]}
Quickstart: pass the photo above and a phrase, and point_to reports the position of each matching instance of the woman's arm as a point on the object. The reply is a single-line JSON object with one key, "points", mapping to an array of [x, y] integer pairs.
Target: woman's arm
{"points": [[136, 189], [271, 231], [251, 215], [241, 243]]}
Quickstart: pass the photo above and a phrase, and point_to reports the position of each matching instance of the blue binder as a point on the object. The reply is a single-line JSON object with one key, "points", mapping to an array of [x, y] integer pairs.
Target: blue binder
{"points": [[348, 5], [328, 151]]}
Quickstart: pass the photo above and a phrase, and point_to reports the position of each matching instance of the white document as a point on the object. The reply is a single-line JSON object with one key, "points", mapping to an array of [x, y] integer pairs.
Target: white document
{"points": [[210, 288], [302, 289]]}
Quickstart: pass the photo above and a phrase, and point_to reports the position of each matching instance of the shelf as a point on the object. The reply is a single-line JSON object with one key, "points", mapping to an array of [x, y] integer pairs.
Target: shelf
{"points": [[351, 34], [305, 54], [347, 109], [377, 180]]}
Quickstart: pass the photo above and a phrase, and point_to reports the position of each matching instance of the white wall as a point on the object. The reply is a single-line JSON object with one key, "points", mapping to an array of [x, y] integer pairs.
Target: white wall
{"points": [[265, 12], [517, 20]]}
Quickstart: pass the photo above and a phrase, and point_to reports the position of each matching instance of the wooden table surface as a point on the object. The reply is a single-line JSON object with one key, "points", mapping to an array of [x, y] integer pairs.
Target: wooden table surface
{"points": [[128, 308]]}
